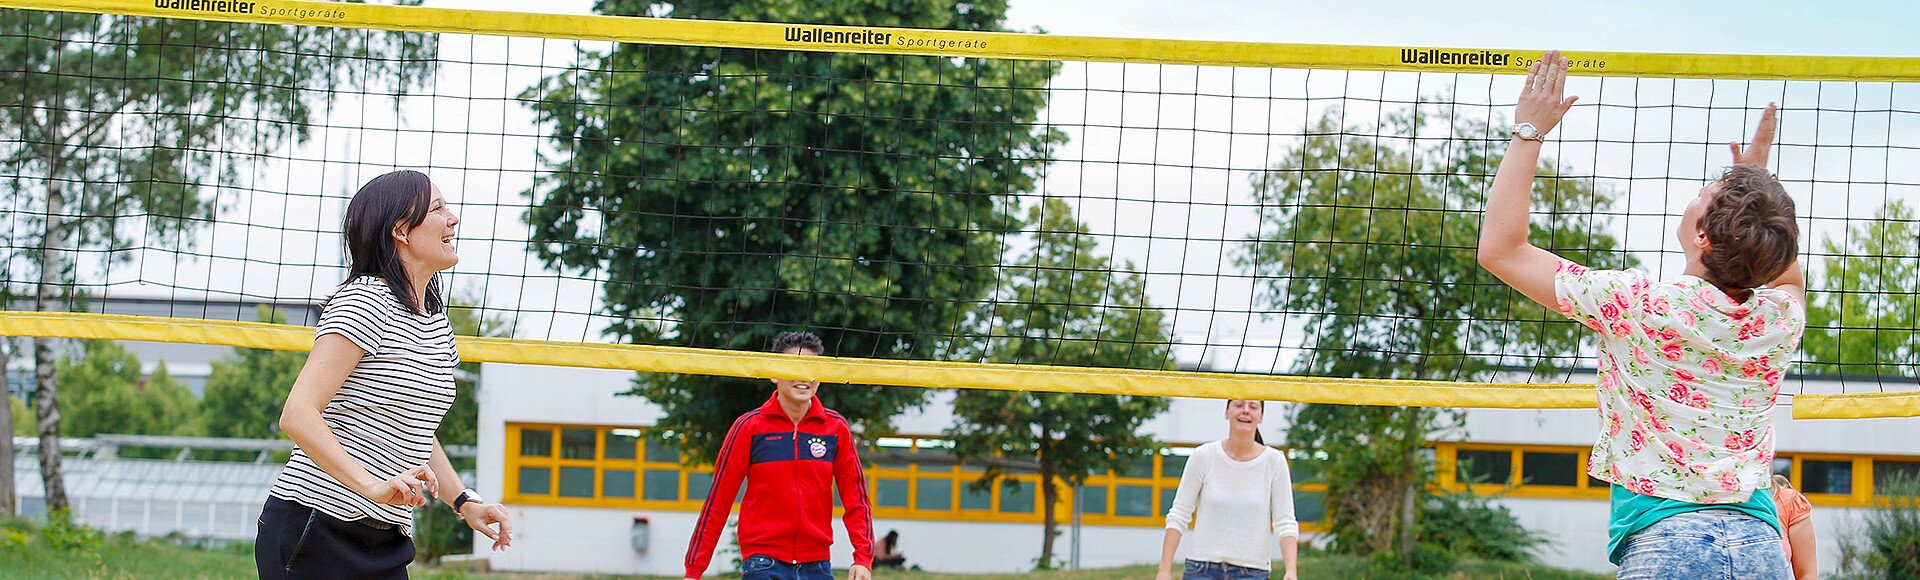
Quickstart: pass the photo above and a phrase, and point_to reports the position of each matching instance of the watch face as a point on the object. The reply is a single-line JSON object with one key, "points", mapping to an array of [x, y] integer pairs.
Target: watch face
{"points": [[1526, 131]]}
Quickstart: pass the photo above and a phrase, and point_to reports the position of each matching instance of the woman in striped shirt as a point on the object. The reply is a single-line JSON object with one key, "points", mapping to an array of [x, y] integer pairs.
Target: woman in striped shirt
{"points": [[363, 412]]}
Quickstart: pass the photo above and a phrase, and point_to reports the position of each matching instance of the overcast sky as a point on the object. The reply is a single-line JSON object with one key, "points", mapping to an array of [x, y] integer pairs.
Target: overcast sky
{"points": [[1186, 279]]}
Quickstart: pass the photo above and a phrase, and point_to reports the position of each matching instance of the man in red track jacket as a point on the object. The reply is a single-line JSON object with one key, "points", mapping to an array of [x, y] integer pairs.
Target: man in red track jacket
{"points": [[792, 451]]}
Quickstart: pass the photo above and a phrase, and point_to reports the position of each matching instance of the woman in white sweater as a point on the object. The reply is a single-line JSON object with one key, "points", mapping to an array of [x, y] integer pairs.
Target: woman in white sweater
{"points": [[1242, 493]]}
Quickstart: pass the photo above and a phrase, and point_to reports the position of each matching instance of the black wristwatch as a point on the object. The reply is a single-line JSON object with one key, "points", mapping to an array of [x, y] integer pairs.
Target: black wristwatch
{"points": [[466, 495]]}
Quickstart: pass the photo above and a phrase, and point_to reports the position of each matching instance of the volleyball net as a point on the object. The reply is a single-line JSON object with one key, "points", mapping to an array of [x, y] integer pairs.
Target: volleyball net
{"points": [[958, 208]]}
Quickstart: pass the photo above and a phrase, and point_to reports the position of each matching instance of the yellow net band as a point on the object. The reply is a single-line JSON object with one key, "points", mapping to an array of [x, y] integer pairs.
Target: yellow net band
{"points": [[907, 41], [904, 373], [930, 374], [877, 40]]}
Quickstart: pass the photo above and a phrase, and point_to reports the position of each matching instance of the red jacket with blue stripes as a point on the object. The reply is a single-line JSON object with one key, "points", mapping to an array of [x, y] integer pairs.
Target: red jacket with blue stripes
{"points": [[790, 470]]}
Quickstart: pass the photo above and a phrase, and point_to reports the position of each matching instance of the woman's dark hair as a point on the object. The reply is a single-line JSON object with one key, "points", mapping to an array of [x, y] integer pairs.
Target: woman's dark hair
{"points": [[402, 198], [1256, 428], [1751, 231]]}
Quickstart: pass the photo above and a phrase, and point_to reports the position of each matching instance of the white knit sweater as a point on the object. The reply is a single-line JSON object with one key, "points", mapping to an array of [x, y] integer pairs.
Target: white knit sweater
{"points": [[1242, 507]]}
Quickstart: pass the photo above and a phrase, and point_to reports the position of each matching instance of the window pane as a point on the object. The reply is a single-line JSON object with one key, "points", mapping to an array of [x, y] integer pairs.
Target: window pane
{"points": [[1138, 466], [536, 442], [698, 484], [621, 443], [1028, 466], [616, 483], [1093, 500], [892, 493], [1491, 467], [1783, 466], [1545, 468], [575, 444], [576, 481], [1895, 477], [662, 452], [1309, 506], [662, 484], [973, 499], [1595, 483], [933, 456], [933, 494], [1173, 465], [1166, 499], [536, 480], [1016, 497], [1826, 477], [1305, 467], [891, 453], [1132, 500]]}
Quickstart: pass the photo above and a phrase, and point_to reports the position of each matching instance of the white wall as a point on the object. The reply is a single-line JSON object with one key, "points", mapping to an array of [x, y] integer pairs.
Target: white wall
{"points": [[593, 540], [597, 540], [556, 538], [1576, 529]]}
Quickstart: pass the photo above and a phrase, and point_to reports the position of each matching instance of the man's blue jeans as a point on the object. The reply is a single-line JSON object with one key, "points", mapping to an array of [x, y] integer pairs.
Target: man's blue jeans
{"points": [[759, 567]]}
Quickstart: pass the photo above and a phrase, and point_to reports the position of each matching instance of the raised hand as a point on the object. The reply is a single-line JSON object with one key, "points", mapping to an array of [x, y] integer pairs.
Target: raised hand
{"points": [[1757, 151], [1540, 102]]}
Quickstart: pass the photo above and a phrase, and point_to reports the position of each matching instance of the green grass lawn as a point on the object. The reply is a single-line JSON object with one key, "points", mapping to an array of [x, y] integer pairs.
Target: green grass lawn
{"points": [[30, 551], [1311, 566]]}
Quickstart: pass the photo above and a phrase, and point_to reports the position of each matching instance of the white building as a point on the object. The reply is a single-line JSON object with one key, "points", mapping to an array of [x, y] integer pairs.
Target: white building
{"points": [[563, 451]]}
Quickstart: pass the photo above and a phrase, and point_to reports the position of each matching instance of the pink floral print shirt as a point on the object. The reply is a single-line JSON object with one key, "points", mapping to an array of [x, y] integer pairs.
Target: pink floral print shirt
{"points": [[1687, 380]]}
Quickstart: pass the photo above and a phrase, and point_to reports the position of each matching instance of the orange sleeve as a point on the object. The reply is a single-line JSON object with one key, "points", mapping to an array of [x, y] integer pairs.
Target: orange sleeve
{"points": [[1794, 508]]}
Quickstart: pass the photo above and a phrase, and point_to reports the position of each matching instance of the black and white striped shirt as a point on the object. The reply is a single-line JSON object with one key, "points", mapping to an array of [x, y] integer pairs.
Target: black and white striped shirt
{"points": [[387, 410]]}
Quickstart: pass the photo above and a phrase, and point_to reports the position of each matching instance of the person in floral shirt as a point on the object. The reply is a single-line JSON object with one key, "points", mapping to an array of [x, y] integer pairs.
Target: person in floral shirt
{"points": [[1689, 368]]}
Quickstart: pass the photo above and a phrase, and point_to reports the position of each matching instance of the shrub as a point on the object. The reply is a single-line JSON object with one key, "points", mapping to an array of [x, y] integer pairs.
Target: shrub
{"points": [[1468, 524], [63, 533], [1886, 544]]}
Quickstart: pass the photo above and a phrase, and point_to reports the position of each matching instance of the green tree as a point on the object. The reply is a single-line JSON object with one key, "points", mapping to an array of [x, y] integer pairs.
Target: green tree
{"points": [[246, 389], [1865, 316], [19, 409], [1368, 243], [115, 115], [9, 425], [107, 393], [741, 193], [1066, 304], [441, 532], [462, 422]]}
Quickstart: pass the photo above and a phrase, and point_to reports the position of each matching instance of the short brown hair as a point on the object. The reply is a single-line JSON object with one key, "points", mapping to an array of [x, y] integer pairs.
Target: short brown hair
{"points": [[805, 340], [1750, 228]]}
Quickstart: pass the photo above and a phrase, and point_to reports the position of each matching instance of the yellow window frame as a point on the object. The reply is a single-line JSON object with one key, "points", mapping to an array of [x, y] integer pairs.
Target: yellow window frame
{"points": [[639, 465], [1160, 484], [1447, 453]]}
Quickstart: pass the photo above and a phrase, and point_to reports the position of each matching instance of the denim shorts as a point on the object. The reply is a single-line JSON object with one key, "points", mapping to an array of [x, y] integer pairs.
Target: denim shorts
{"points": [[1707, 544], [1198, 570]]}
